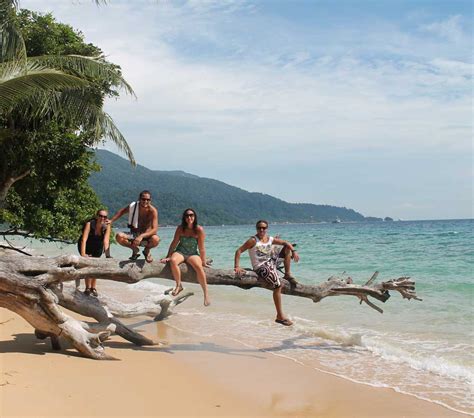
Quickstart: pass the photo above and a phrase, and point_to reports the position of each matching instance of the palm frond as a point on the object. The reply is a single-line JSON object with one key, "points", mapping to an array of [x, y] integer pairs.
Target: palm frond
{"points": [[34, 90], [17, 84], [106, 127], [75, 108], [92, 68]]}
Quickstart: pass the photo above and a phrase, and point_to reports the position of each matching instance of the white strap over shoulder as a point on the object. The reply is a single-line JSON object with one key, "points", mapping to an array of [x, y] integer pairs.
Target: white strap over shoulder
{"points": [[133, 215]]}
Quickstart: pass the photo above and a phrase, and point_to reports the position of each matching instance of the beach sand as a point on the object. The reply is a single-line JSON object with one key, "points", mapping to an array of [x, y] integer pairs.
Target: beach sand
{"points": [[191, 376]]}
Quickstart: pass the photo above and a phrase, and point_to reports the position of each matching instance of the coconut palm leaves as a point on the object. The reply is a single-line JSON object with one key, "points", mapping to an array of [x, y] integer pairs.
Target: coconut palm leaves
{"points": [[38, 89], [20, 82], [75, 110], [90, 68]]}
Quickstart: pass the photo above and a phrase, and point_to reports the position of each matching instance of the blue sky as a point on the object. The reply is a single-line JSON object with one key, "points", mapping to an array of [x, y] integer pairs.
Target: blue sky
{"points": [[363, 104]]}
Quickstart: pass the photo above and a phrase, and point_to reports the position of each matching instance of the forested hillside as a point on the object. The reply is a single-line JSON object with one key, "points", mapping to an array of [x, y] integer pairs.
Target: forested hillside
{"points": [[216, 203]]}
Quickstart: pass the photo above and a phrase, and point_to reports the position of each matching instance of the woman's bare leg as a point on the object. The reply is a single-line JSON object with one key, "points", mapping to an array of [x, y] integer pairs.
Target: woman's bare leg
{"points": [[196, 263], [175, 260]]}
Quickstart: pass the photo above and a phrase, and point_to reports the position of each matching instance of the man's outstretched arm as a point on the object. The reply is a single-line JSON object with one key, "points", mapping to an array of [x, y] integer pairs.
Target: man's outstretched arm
{"points": [[119, 214], [246, 246]]}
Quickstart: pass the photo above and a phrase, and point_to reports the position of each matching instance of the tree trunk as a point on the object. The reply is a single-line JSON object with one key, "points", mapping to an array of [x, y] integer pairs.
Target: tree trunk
{"points": [[7, 184], [33, 288]]}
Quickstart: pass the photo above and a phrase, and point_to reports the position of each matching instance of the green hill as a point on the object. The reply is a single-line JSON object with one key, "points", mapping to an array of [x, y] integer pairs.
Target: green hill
{"points": [[216, 203]]}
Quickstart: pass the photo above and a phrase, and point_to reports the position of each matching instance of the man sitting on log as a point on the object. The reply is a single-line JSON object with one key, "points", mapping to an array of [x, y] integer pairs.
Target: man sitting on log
{"points": [[143, 224], [264, 263]]}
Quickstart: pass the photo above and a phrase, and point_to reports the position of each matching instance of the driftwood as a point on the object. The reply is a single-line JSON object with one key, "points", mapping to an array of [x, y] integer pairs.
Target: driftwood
{"points": [[34, 288]]}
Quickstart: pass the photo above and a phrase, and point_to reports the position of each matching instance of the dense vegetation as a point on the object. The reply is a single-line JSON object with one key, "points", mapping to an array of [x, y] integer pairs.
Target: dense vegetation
{"points": [[50, 114], [216, 203], [52, 88]]}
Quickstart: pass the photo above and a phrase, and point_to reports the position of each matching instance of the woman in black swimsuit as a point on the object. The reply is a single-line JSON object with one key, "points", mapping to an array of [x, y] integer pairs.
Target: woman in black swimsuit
{"points": [[95, 238]]}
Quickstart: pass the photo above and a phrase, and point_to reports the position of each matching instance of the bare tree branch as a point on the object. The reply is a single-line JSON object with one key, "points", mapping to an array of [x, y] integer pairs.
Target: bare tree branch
{"points": [[34, 288]]}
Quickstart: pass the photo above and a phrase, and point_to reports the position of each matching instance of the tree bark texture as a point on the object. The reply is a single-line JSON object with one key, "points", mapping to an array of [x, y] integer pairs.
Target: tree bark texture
{"points": [[34, 288], [7, 183]]}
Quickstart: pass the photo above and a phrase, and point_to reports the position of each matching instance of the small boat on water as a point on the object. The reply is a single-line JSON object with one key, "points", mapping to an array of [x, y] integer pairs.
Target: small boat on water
{"points": [[336, 221]]}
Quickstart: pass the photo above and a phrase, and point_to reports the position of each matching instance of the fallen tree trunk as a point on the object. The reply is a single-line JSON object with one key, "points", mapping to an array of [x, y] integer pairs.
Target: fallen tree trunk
{"points": [[33, 288]]}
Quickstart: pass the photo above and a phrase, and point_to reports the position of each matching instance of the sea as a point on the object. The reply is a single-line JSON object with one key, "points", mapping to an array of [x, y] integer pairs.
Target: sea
{"points": [[421, 348]]}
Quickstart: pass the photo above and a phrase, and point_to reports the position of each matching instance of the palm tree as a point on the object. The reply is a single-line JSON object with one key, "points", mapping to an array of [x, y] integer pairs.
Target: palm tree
{"points": [[34, 90]]}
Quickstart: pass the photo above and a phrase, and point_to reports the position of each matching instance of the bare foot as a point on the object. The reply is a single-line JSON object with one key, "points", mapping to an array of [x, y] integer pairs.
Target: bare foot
{"points": [[177, 290], [207, 302]]}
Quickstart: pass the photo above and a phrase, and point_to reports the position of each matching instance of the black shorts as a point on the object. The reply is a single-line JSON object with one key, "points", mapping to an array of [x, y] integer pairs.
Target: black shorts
{"points": [[92, 249]]}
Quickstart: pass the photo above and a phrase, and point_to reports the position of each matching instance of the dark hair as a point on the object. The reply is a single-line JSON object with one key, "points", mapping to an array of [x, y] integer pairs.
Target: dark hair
{"points": [[144, 192], [261, 221], [184, 224]]}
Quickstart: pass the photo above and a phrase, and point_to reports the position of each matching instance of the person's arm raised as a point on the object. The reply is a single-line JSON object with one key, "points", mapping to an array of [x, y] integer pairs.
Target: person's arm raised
{"points": [[294, 254], [119, 214]]}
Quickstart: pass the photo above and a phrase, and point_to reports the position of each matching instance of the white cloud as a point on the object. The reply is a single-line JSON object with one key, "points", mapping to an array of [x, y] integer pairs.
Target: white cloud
{"points": [[450, 28], [228, 86]]}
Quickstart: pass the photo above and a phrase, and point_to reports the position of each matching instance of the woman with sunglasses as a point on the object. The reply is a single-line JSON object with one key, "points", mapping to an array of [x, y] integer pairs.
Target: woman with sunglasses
{"points": [[188, 247], [94, 239]]}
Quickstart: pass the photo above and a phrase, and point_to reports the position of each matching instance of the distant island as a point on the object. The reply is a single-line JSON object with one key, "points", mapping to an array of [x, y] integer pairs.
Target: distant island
{"points": [[217, 203]]}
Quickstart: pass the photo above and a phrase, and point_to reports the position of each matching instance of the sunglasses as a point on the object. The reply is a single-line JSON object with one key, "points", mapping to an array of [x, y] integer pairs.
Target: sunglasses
{"points": [[189, 215], [102, 216], [262, 227], [145, 200]]}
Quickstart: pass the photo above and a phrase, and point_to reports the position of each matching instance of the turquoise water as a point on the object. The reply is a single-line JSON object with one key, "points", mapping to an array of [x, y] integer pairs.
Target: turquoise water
{"points": [[421, 348]]}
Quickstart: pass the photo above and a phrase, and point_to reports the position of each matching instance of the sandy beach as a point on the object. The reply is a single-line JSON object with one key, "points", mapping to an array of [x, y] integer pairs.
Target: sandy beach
{"points": [[285, 186], [190, 376]]}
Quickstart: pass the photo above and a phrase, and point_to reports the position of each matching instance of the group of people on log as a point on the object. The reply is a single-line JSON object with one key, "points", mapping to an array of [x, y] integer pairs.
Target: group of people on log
{"points": [[187, 246]]}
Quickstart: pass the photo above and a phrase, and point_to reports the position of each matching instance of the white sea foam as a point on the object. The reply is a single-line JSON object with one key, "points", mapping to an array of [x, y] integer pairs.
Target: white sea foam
{"points": [[312, 329], [419, 360]]}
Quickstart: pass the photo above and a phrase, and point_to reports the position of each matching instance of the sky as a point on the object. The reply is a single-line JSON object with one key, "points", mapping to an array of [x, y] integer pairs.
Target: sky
{"points": [[363, 104]]}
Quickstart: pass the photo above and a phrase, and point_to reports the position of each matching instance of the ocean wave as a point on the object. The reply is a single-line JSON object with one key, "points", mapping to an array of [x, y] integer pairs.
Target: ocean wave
{"points": [[435, 234], [311, 329], [418, 361]]}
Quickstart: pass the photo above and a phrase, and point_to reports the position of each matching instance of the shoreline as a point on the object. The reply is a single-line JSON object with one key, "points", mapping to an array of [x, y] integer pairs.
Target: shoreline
{"points": [[191, 376], [314, 391]]}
